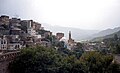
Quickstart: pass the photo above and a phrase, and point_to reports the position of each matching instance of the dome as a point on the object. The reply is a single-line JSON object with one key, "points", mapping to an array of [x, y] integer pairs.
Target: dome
{"points": [[63, 39]]}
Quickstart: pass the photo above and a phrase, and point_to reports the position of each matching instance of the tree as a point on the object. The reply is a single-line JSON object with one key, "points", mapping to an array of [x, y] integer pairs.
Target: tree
{"points": [[48, 60], [94, 62], [37, 60], [115, 37], [78, 51], [61, 44], [71, 65], [113, 44], [114, 68]]}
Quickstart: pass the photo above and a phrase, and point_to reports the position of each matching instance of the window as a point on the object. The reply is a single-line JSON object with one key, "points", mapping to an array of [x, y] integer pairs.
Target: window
{"points": [[18, 46], [15, 46], [1, 41], [4, 42]]}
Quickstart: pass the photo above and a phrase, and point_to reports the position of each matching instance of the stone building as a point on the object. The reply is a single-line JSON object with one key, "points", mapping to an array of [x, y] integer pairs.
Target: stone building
{"points": [[59, 35], [4, 31], [37, 26], [3, 43], [9, 42], [47, 33], [4, 20], [15, 31], [14, 46]]}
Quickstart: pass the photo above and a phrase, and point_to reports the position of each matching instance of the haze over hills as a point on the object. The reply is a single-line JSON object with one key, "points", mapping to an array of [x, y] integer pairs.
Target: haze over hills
{"points": [[81, 34], [77, 34], [112, 35], [106, 32], [109, 33]]}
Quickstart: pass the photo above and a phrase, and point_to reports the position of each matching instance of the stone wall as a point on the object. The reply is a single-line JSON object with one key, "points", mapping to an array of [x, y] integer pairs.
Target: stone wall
{"points": [[5, 59]]}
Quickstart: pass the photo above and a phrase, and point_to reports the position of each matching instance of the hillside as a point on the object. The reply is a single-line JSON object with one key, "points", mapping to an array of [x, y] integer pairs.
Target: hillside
{"points": [[107, 32], [112, 35], [107, 36]]}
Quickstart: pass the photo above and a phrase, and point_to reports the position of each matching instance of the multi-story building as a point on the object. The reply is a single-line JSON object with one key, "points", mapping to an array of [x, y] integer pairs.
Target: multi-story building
{"points": [[15, 21], [14, 46], [9, 43], [47, 33], [29, 26], [4, 20], [15, 31], [59, 35], [3, 43], [4, 31], [37, 26], [26, 24], [31, 31]]}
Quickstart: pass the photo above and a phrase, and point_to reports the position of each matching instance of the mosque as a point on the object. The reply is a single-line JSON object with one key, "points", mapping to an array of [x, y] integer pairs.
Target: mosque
{"points": [[69, 43]]}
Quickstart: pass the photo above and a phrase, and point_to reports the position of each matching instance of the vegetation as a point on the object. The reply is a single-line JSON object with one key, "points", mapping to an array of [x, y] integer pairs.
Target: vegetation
{"points": [[113, 44], [49, 60], [95, 62]]}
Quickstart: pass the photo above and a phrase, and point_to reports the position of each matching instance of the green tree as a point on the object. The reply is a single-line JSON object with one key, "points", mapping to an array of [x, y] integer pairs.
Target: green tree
{"points": [[61, 44], [94, 62], [115, 37], [113, 44], [48, 60], [37, 60], [78, 51]]}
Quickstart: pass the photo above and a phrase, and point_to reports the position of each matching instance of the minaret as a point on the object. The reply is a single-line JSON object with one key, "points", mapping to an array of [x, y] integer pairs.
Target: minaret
{"points": [[70, 35]]}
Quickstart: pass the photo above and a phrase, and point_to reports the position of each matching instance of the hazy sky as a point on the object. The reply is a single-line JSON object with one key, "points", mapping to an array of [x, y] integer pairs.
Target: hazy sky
{"points": [[84, 14]]}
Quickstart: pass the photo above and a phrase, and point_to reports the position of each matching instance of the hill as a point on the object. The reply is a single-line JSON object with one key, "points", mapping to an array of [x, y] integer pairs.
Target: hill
{"points": [[106, 32], [107, 36], [112, 35]]}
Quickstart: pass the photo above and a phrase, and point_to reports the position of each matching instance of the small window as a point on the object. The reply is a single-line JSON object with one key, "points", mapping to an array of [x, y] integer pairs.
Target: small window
{"points": [[4, 42], [1, 41], [18, 46], [15, 46]]}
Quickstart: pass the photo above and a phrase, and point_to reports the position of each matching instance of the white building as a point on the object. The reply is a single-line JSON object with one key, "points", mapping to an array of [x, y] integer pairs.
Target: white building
{"points": [[30, 31], [3, 43], [14, 46]]}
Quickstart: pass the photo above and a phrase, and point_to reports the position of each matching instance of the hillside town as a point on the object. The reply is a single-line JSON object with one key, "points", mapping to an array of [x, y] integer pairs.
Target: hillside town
{"points": [[17, 34]]}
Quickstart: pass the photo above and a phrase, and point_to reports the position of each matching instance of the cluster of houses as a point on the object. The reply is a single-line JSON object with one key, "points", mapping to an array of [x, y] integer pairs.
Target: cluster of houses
{"points": [[16, 34], [95, 46]]}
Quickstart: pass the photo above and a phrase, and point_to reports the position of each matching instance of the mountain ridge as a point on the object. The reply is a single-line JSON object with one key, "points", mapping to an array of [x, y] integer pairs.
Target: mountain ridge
{"points": [[107, 32], [77, 34], [81, 34], [107, 36]]}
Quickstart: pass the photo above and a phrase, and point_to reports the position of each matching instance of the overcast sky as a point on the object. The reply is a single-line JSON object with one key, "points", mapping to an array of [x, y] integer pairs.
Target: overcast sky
{"points": [[83, 14]]}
